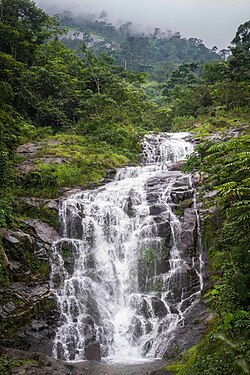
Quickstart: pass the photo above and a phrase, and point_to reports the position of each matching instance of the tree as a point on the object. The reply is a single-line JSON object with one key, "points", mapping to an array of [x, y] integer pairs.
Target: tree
{"points": [[239, 62], [23, 26], [103, 17]]}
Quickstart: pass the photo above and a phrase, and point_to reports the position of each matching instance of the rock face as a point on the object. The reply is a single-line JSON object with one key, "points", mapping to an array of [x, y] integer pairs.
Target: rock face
{"points": [[43, 231], [29, 152], [27, 306]]}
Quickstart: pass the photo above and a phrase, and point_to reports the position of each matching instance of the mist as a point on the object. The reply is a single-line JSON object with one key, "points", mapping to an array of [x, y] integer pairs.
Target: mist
{"points": [[213, 21]]}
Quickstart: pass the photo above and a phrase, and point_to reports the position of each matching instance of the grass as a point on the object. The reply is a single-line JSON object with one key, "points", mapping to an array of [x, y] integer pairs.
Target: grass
{"points": [[204, 126], [82, 162]]}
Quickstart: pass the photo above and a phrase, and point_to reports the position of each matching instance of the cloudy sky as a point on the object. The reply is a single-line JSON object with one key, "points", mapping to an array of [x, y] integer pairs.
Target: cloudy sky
{"points": [[214, 21]]}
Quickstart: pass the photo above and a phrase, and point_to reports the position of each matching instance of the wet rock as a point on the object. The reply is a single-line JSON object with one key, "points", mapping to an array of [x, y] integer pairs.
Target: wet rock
{"points": [[74, 217], [157, 209], [144, 308], [163, 230], [152, 197], [153, 181], [176, 166], [136, 328], [159, 307], [89, 330], [188, 334], [128, 207], [188, 235], [182, 193], [164, 177], [93, 352]]}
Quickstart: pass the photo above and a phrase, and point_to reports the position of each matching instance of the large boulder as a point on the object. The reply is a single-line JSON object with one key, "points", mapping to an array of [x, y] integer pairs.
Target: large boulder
{"points": [[43, 231], [93, 351]]}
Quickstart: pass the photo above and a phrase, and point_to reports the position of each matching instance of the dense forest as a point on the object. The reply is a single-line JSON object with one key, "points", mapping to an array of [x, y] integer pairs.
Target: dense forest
{"points": [[156, 54], [90, 108]]}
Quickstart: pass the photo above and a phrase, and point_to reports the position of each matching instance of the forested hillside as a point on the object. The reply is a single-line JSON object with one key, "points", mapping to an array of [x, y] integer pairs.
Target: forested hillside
{"points": [[83, 114], [157, 53]]}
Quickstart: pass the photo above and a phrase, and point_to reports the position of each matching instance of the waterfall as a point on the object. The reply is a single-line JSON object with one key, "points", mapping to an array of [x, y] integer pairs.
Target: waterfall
{"points": [[123, 273]]}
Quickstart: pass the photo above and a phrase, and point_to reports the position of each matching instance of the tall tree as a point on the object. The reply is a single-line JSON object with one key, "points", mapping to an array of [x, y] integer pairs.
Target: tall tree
{"points": [[240, 60]]}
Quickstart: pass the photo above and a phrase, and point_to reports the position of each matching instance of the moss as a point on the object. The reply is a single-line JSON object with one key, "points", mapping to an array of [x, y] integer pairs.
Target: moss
{"points": [[178, 210], [214, 356], [158, 287], [149, 255], [7, 364], [46, 215], [4, 271], [22, 317], [211, 223], [30, 265]]}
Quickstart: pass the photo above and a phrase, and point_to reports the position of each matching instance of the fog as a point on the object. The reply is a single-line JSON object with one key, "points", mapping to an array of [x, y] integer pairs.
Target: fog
{"points": [[214, 21]]}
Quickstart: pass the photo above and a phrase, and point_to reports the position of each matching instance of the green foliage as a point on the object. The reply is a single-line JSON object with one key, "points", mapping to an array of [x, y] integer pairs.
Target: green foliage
{"points": [[239, 62], [215, 355], [6, 212], [83, 162], [7, 364], [149, 255], [225, 167], [90, 112], [156, 54]]}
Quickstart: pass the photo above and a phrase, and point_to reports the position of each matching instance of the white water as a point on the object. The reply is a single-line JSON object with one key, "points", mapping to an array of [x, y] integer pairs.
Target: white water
{"points": [[116, 278]]}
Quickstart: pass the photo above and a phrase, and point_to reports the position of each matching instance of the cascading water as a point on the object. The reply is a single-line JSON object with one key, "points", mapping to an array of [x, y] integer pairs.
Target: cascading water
{"points": [[122, 275]]}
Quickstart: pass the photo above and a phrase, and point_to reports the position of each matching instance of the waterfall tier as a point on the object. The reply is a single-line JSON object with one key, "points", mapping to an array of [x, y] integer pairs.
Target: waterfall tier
{"points": [[127, 268]]}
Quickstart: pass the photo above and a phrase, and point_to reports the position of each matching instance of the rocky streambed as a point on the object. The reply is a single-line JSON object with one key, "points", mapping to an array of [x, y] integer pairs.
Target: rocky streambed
{"points": [[40, 364]]}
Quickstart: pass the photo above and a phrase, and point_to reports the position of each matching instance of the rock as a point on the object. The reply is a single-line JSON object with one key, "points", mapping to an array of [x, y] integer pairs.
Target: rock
{"points": [[188, 234], [29, 149], [188, 334], [163, 230], [153, 181], [159, 307], [30, 153], [128, 207], [10, 238], [165, 176], [181, 193], [211, 194], [43, 231], [152, 197], [67, 192], [175, 166], [93, 352], [15, 237], [157, 209], [50, 204]]}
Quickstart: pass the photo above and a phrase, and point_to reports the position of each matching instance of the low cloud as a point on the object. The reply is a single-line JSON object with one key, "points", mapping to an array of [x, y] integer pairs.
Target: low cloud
{"points": [[214, 21]]}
